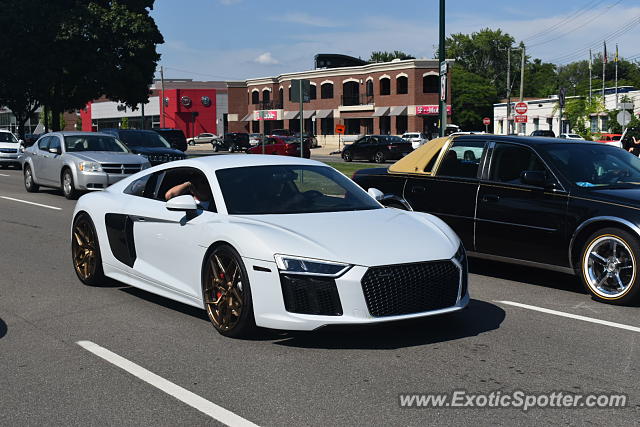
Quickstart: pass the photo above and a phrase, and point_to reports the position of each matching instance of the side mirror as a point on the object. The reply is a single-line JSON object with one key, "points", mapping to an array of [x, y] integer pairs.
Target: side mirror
{"points": [[375, 194], [534, 178], [183, 203], [55, 150], [21, 141]]}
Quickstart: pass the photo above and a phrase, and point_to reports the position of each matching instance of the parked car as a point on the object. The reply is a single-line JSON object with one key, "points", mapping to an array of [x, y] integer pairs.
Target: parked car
{"points": [[574, 136], [30, 138], [309, 138], [148, 144], [78, 161], [273, 248], [377, 148], [545, 133], [415, 138], [614, 139], [531, 201], [203, 138], [233, 141], [281, 145], [281, 132], [9, 149], [174, 136], [255, 139]]}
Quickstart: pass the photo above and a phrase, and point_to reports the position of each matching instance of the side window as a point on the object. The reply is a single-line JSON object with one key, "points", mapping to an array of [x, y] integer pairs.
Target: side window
{"points": [[509, 161], [43, 144], [200, 187], [463, 159], [54, 142], [144, 187]]}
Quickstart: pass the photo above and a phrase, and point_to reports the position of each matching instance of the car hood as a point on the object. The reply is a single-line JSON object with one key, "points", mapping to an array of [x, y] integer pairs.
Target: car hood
{"points": [[107, 157], [156, 150], [368, 238]]}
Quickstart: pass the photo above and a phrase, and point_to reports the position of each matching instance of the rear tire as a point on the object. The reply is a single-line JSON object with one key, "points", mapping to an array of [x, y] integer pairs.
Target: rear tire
{"points": [[68, 186], [379, 157], [29, 183], [216, 148], [85, 251]]}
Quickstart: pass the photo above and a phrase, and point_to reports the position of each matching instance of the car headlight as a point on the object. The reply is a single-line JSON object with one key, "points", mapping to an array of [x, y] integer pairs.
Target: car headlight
{"points": [[310, 266], [460, 254], [89, 167]]}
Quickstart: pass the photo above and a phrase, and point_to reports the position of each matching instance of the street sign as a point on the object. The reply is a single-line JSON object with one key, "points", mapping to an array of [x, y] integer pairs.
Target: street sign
{"points": [[295, 90], [443, 87], [521, 118], [486, 121], [623, 117], [340, 129], [561, 97], [443, 68], [521, 108]]}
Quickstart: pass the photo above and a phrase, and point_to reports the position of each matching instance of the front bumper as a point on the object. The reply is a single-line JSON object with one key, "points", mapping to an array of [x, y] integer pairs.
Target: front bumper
{"points": [[10, 158], [96, 180], [269, 305]]}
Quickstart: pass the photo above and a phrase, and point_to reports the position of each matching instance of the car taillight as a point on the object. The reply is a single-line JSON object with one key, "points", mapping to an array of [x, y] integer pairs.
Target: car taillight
{"points": [[390, 147]]}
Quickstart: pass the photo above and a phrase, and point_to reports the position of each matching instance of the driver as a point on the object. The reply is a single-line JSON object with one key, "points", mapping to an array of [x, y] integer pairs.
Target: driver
{"points": [[197, 186]]}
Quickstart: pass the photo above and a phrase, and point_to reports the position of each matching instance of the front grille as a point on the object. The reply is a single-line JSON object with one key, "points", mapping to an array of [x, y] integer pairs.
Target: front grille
{"points": [[121, 169], [410, 288], [310, 295], [161, 158], [8, 150]]}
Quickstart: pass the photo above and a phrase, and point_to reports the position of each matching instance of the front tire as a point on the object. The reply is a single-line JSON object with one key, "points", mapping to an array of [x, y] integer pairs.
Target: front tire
{"points": [[216, 148], [609, 266], [347, 156], [29, 183], [85, 251], [379, 157], [227, 293], [68, 186]]}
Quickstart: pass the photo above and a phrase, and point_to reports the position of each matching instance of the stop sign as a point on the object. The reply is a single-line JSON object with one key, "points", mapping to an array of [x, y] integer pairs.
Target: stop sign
{"points": [[486, 121], [521, 108]]}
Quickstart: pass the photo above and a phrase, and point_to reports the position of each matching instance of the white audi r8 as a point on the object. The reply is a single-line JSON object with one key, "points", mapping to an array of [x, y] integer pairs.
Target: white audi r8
{"points": [[268, 241]]}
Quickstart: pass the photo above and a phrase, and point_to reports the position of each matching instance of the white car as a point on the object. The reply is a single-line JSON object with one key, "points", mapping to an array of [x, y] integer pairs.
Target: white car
{"points": [[9, 149], [270, 241], [573, 136], [416, 138], [203, 138]]}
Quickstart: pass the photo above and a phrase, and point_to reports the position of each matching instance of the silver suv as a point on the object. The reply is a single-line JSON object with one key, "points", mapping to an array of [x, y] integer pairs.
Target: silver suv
{"points": [[78, 161]]}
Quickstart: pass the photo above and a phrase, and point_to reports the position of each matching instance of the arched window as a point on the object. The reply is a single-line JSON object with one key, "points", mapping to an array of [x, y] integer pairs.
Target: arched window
{"points": [[326, 91], [385, 86], [402, 85], [255, 97], [430, 84], [280, 96], [266, 95], [369, 88], [312, 92]]}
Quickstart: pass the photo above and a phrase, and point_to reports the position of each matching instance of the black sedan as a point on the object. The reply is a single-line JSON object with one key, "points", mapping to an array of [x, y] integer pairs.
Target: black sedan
{"points": [[529, 200], [377, 148], [233, 141]]}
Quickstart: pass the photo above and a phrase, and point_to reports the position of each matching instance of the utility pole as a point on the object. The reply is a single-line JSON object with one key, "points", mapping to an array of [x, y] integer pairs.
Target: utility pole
{"points": [[301, 122], [509, 90], [522, 125], [162, 96], [442, 60], [590, 75], [142, 114]]}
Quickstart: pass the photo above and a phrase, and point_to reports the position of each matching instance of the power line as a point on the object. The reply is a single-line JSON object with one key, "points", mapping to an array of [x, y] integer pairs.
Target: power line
{"points": [[200, 74], [572, 16]]}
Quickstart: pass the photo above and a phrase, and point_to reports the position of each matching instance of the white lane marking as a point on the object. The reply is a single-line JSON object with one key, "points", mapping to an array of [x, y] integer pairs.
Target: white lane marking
{"points": [[31, 203], [2, 174], [214, 411], [573, 316]]}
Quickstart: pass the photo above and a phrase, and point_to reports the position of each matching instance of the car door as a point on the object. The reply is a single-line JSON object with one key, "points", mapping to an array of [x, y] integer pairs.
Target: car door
{"points": [[52, 162], [168, 246], [38, 154], [359, 148], [451, 193], [516, 220]]}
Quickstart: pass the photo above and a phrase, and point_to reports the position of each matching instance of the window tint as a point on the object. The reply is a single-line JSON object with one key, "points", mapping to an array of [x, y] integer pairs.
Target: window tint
{"points": [[509, 161], [463, 159], [54, 142], [43, 144], [145, 186]]}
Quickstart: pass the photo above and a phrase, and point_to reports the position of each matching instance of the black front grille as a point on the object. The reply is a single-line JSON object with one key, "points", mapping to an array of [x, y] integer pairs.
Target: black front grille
{"points": [[8, 150], [162, 158], [117, 168], [410, 288], [310, 295]]}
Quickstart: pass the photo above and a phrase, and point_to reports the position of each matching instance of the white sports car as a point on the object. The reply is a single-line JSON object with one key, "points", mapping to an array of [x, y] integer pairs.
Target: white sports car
{"points": [[268, 241]]}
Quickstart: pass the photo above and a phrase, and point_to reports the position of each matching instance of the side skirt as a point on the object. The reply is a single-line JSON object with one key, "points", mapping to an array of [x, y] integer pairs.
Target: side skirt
{"points": [[551, 267]]}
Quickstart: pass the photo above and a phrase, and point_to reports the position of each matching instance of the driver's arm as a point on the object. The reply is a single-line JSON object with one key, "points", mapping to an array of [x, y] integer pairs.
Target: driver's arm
{"points": [[178, 190]]}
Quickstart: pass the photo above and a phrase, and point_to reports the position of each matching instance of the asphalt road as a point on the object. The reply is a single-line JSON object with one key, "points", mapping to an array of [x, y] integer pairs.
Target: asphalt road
{"points": [[337, 376]]}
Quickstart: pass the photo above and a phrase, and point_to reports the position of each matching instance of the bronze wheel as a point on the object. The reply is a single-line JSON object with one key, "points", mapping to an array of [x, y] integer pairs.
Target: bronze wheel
{"points": [[227, 296], [85, 250]]}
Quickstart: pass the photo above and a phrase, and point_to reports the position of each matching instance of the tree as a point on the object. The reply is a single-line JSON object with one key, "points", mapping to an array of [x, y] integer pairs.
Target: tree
{"points": [[579, 110], [473, 97], [379, 56]]}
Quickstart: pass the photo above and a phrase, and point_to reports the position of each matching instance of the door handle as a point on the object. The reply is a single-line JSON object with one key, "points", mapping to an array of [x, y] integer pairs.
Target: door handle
{"points": [[490, 198], [418, 189]]}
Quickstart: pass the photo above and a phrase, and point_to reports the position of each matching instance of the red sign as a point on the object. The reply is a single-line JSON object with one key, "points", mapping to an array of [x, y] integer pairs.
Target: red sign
{"points": [[429, 110], [521, 108], [521, 119], [268, 115], [339, 128], [486, 121]]}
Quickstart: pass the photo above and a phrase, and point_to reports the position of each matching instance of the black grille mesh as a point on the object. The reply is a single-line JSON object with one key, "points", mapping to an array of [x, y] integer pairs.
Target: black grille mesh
{"points": [[310, 295], [410, 288]]}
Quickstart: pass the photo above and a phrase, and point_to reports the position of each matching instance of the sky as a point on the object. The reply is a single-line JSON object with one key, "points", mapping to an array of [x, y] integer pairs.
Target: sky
{"points": [[239, 39]]}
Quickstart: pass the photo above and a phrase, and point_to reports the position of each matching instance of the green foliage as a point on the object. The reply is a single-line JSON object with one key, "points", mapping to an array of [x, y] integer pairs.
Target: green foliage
{"points": [[473, 97], [380, 56], [124, 123], [49, 115], [578, 111]]}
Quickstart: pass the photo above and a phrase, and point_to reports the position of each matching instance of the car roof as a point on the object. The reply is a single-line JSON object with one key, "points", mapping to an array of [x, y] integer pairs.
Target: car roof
{"points": [[77, 133], [241, 160], [529, 140]]}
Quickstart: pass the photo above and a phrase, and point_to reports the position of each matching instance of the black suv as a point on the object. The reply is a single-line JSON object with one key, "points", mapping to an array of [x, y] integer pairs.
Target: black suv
{"points": [[547, 133], [147, 143], [175, 137], [234, 141]]}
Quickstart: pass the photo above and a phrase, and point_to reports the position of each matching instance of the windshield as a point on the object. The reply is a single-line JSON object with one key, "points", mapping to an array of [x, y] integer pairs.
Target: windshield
{"points": [[144, 139], [93, 143], [595, 165], [7, 137], [290, 189]]}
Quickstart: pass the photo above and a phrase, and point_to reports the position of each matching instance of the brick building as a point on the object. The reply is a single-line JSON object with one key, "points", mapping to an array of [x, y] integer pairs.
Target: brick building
{"points": [[388, 98]]}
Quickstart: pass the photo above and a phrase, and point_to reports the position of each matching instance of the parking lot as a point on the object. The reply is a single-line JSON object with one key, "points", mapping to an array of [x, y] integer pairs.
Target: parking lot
{"points": [[161, 362]]}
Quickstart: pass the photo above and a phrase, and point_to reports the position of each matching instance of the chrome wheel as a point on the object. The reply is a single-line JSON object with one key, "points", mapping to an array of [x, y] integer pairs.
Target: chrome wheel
{"points": [[609, 267], [29, 185], [379, 157], [224, 293], [84, 250], [67, 183]]}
